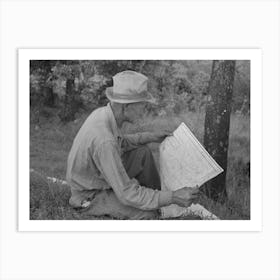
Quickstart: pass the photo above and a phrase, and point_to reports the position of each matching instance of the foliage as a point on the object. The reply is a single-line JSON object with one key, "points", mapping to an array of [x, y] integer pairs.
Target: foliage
{"points": [[179, 86]]}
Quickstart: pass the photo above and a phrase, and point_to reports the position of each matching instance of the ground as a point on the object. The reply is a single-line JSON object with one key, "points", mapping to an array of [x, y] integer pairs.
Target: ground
{"points": [[50, 142]]}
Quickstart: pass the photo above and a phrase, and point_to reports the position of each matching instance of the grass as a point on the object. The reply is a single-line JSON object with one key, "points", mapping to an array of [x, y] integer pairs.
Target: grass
{"points": [[50, 144]]}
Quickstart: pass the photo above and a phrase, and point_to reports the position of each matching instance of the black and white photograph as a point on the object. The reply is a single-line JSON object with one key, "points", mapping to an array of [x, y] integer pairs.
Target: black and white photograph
{"points": [[139, 139]]}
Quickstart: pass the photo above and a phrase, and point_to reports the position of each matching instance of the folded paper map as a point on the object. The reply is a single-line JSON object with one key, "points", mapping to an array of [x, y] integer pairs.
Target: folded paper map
{"points": [[184, 162]]}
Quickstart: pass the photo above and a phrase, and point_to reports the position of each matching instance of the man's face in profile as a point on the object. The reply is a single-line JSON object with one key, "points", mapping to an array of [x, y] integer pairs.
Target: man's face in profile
{"points": [[134, 112]]}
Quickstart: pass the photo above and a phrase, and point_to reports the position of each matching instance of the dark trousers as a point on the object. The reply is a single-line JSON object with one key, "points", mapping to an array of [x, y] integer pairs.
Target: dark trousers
{"points": [[139, 164]]}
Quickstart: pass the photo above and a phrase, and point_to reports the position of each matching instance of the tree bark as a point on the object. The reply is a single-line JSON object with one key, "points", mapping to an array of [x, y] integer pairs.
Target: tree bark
{"points": [[217, 122], [49, 96], [69, 110]]}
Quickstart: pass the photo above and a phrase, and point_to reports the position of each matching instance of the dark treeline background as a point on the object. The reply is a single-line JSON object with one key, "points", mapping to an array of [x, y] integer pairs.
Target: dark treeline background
{"points": [[79, 84]]}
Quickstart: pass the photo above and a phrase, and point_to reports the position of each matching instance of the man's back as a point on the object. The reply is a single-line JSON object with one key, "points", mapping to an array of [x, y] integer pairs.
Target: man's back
{"points": [[82, 173]]}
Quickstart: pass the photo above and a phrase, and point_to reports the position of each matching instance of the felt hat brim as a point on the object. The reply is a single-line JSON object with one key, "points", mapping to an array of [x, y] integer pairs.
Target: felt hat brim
{"points": [[112, 97]]}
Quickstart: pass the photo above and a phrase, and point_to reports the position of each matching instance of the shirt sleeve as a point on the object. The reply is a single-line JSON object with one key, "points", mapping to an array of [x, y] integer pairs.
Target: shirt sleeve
{"points": [[129, 141], [128, 191]]}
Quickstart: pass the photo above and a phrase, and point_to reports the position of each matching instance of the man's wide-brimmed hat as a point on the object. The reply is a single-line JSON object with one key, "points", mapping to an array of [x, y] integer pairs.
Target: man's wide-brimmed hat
{"points": [[129, 87]]}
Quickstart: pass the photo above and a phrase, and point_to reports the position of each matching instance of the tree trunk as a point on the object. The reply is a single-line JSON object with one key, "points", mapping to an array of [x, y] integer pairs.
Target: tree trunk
{"points": [[217, 121], [69, 109], [49, 96]]}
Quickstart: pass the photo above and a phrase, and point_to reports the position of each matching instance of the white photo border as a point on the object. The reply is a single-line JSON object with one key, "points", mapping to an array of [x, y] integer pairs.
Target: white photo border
{"points": [[24, 57]]}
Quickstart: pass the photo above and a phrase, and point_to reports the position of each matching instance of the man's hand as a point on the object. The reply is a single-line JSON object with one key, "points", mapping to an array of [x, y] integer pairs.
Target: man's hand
{"points": [[161, 135], [185, 196]]}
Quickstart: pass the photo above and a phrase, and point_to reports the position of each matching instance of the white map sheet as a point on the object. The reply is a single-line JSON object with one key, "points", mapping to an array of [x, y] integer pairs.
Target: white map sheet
{"points": [[184, 162]]}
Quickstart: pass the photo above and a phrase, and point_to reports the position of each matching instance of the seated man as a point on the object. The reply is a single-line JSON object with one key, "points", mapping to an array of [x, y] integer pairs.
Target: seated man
{"points": [[114, 174]]}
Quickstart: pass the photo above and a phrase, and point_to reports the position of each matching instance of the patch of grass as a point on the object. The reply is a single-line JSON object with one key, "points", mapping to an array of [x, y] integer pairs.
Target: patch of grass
{"points": [[51, 143], [49, 201]]}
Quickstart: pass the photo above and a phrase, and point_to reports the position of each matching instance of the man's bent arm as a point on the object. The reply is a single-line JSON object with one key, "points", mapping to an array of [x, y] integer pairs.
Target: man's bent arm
{"points": [[128, 191], [140, 138]]}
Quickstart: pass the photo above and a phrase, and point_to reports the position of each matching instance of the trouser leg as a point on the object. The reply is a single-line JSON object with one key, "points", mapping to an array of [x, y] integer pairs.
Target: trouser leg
{"points": [[106, 203], [140, 164]]}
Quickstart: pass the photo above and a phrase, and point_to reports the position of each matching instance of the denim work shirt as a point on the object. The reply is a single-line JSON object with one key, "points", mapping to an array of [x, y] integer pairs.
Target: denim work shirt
{"points": [[94, 163]]}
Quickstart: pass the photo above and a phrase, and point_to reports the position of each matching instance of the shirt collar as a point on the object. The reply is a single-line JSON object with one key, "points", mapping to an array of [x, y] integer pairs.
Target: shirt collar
{"points": [[112, 122]]}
